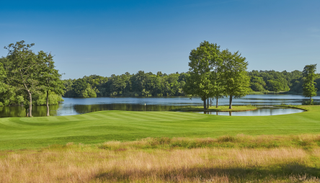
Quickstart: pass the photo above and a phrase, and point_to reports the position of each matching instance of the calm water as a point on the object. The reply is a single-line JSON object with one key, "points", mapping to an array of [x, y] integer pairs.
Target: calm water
{"points": [[259, 112], [73, 106]]}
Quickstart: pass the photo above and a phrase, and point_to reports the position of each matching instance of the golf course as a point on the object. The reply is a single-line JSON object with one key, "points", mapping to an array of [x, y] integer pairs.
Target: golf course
{"points": [[141, 146], [102, 126]]}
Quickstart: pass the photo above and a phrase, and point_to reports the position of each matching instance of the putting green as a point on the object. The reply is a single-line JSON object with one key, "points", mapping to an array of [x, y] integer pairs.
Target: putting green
{"points": [[97, 127]]}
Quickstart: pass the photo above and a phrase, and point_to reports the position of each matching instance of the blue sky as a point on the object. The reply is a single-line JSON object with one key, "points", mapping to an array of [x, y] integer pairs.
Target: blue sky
{"points": [[118, 36]]}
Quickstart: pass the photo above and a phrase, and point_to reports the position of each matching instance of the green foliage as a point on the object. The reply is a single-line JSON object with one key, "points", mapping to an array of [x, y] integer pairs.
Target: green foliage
{"points": [[140, 84], [205, 62], [275, 81], [23, 69], [88, 92], [49, 76], [309, 76], [159, 85], [41, 99], [235, 77], [215, 73], [25, 76]]}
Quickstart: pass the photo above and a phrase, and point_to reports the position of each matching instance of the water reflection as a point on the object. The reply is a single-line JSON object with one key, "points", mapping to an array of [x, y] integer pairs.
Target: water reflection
{"points": [[258, 112], [19, 111], [185, 101], [73, 106], [80, 109]]}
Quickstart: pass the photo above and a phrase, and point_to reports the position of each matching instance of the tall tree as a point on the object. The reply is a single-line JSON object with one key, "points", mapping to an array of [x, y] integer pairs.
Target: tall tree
{"points": [[23, 69], [200, 80], [49, 77], [236, 79], [309, 76]]}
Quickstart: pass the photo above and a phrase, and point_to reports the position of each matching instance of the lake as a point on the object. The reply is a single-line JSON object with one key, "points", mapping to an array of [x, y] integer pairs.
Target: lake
{"points": [[263, 111], [73, 106]]}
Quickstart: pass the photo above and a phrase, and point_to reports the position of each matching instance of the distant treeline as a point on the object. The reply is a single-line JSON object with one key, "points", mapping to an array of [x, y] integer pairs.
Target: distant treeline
{"points": [[148, 84], [275, 81], [140, 84]]}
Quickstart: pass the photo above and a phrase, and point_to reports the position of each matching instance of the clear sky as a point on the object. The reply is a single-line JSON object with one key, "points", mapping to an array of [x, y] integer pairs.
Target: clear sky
{"points": [[117, 36]]}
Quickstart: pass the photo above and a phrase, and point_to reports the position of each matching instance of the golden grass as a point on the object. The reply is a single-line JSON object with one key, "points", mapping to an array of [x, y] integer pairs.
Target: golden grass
{"points": [[132, 162]]}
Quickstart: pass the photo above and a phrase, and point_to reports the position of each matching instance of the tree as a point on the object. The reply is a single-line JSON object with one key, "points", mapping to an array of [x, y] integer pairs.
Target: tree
{"points": [[49, 77], [309, 76], [202, 62], [23, 69], [218, 87], [236, 79]]}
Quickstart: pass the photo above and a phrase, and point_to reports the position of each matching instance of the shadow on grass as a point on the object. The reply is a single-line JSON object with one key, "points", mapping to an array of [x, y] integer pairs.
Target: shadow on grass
{"points": [[291, 172]]}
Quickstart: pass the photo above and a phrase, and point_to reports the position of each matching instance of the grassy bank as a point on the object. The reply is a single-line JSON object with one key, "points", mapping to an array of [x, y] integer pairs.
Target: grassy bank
{"points": [[98, 127], [238, 158]]}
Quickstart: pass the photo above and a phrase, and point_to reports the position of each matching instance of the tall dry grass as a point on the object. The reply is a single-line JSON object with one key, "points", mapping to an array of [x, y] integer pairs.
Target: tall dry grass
{"points": [[133, 162]]}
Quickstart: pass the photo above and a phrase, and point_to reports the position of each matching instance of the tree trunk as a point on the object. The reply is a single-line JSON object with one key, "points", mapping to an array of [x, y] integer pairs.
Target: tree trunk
{"points": [[204, 104], [217, 102], [310, 100], [208, 103], [48, 114], [30, 103], [230, 102]]}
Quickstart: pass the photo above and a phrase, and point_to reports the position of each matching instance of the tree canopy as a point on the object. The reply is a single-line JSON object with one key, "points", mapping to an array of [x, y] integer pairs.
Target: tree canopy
{"points": [[25, 73], [204, 63], [215, 73], [234, 75], [309, 76]]}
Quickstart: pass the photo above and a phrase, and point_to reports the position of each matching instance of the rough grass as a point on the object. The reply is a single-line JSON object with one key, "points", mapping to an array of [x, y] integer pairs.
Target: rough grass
{"points": [[128, 146], [160, 160], [102, 126]]}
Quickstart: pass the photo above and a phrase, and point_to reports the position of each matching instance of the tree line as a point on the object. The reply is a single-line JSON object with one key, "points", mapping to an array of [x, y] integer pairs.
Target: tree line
{"points": [[29, 78], [159, 85], [140, 84]]}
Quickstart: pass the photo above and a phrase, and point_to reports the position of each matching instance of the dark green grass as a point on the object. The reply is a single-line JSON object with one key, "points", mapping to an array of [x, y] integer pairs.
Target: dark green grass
{"points": [[97, 127]]}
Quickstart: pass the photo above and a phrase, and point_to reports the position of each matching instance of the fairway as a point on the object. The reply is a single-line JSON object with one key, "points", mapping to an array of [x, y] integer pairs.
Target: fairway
{"points": [[98, 127]]}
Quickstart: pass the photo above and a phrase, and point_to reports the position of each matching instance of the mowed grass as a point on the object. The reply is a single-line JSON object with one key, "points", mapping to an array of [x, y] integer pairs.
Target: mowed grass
{"points": [[98, 127]]}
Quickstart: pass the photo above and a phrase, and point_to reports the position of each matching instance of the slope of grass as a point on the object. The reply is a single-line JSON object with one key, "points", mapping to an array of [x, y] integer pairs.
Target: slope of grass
{"points": [[98, 127]]}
